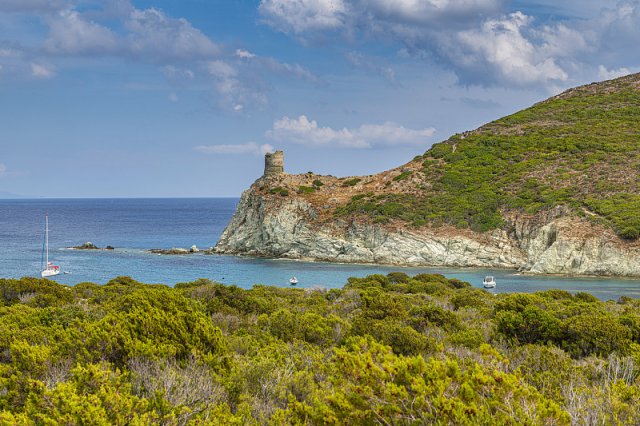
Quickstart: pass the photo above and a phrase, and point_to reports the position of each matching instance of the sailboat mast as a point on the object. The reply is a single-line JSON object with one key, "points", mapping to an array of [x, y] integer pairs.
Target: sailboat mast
{"points": [[46, 238]]}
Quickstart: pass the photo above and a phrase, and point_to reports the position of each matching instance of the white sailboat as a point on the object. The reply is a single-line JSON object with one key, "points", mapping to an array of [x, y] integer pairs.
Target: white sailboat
{"points": [[48, 268]]}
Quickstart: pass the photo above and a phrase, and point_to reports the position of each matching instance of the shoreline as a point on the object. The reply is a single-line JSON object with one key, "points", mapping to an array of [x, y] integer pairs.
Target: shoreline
{"points": [[209, 252]]}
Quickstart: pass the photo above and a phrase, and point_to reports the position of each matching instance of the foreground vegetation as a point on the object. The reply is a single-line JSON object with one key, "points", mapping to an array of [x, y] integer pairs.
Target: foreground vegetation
{"points": [[580, 150], [382, 350]]}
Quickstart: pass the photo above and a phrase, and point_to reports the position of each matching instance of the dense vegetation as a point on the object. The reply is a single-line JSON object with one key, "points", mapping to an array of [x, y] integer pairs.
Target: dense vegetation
{"points": [[580, 149], [382, 350]]}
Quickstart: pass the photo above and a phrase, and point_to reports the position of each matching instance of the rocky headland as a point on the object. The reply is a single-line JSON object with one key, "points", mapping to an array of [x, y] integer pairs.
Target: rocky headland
{"points": [[553, 189]]}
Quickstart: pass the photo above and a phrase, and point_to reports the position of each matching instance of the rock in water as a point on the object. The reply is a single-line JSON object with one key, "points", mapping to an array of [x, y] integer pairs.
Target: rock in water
{"points": [[173, 250], [87, 246]]}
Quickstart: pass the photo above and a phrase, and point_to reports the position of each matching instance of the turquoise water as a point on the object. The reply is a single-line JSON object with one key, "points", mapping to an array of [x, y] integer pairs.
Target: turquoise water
{"points": [[134, 225]]}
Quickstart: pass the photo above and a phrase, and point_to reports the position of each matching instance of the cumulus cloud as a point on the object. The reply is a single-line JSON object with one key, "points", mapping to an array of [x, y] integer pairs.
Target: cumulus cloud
{"points": [[501, 48], [303, 131], [149, 35], [248, 148], [299, 16], [481, 41], [70, 33], [154, 35], [606, 74]]}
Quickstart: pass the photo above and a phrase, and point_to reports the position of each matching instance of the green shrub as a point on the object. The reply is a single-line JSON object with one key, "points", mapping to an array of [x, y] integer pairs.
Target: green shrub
{"points": [[306, 189], [279, 191], [351, 182]]}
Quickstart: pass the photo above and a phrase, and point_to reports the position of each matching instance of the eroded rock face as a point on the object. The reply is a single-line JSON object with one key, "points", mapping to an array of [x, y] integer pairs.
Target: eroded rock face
{"points": [[554, 242]]}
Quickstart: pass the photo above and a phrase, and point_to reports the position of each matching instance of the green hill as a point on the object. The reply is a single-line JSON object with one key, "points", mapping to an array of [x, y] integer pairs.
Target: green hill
{"points": [[580, 149]]}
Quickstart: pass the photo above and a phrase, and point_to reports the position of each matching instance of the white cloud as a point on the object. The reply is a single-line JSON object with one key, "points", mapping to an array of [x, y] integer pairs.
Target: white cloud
{"points": [[303, 131], [42, 71], [482, 41], [3, 169], [606, 74], [154, 35], [298, 16], [248, 148], [432, 12], [501, 48], [245, 54], [70, 33]]}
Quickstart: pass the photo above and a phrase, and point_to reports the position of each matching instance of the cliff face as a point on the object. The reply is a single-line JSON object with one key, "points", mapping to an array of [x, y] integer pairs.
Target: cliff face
{"points": [[552, 189], [557, 242]]}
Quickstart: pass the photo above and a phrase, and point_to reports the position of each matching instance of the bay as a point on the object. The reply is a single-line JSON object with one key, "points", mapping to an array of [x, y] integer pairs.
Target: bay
{"points": [[133, 226]]}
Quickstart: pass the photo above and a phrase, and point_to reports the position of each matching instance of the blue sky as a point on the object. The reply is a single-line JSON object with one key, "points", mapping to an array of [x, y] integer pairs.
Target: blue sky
{"points": [[119, 98]]}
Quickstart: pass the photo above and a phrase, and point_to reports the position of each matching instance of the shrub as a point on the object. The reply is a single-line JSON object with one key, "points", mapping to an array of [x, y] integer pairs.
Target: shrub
{"points": [[351, 182], [279, 191], [306, 190]]}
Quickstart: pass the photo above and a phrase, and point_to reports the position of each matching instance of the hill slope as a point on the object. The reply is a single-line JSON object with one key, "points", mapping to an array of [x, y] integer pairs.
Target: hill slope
{"points": [[553, 188]]}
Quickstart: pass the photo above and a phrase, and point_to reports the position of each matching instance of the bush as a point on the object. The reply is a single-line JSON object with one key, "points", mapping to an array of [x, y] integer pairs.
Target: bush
{"points": [[351, 182], [306, 190], [279, 191], [598, 334]]}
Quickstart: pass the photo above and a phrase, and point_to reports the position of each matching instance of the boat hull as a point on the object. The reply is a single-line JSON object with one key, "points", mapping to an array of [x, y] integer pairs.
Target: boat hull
{"points": [[49, 273]]}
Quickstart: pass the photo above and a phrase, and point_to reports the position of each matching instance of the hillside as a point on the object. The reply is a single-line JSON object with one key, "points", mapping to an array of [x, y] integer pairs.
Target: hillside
{"points": [[579, 149], [573, 159]]}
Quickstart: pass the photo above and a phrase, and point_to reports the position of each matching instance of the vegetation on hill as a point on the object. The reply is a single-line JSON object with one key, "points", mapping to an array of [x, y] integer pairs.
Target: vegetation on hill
{"points": [[383, 350], [580, 149]]}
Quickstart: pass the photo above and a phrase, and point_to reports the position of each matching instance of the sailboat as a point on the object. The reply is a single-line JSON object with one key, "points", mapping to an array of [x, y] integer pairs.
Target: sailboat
{"points": [[48, 268]]}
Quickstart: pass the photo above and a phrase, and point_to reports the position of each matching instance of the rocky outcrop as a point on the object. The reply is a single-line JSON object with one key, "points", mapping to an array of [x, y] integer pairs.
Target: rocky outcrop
{"points": [[554, 242], [90, 246]]}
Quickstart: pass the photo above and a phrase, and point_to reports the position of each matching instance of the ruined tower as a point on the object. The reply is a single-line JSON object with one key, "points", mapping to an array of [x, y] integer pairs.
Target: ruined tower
{"points": [[273, 163]]}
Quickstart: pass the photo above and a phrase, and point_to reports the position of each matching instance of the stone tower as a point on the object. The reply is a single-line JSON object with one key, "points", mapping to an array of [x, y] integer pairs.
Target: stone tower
{"points": [[273, 163]]}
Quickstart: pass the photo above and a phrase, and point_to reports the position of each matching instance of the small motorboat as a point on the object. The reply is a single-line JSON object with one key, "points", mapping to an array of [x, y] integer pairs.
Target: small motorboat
{"points": [[293, 281], [489, 282]]}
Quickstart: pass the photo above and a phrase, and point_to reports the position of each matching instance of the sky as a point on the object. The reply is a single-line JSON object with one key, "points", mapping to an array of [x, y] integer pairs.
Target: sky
{"points": [[159, 98]]}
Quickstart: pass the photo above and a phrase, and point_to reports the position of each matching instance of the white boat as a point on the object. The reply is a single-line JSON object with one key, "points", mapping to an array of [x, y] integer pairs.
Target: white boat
{"points": [[293, 281], [48, 268], [489, 282]]}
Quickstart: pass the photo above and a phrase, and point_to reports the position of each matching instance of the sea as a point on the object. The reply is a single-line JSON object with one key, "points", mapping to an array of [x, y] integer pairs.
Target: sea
{"points": [[134, 226]]}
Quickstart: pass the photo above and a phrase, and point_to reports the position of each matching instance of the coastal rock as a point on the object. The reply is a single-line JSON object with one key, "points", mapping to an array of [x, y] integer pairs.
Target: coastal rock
{"points": [[556, 242], [87, 246], [171, 251]]}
